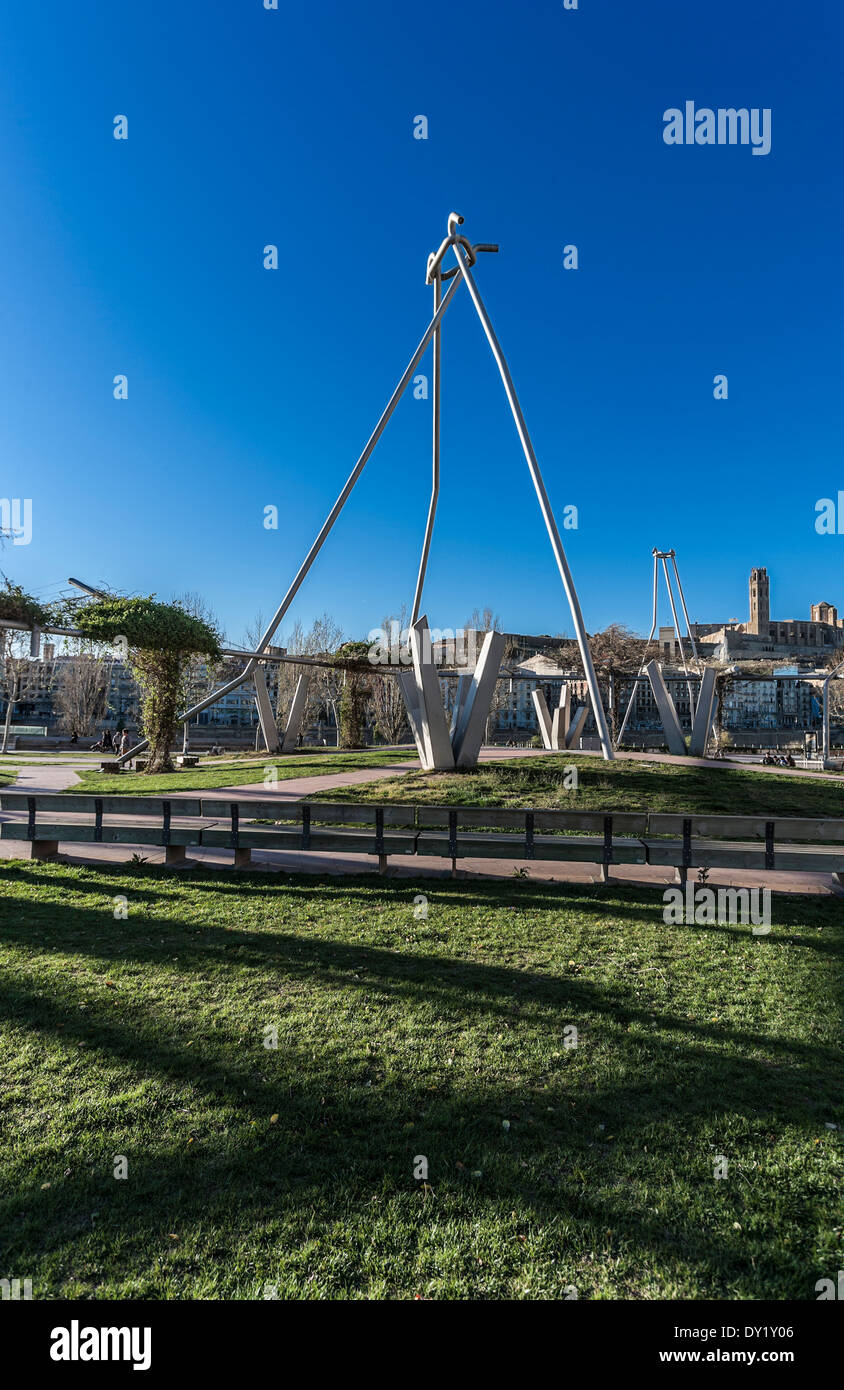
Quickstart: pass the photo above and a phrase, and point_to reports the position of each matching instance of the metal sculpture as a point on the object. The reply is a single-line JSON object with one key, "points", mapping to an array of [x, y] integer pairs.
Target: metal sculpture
{"points": [[439, 745], [702, 706]]}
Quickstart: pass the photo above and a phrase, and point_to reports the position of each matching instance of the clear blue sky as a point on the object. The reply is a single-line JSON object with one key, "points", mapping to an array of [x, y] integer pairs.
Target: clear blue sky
{"points": [[249, 387]]}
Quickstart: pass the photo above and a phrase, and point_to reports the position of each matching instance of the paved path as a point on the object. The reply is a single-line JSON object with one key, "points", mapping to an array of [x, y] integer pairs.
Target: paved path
{"points": [[294, 788], [55, 778]]}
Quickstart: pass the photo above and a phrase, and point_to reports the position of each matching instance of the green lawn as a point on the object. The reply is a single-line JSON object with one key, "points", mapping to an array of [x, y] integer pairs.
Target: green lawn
{"points": [[619, 786], [237, 772], [550, 1167]]}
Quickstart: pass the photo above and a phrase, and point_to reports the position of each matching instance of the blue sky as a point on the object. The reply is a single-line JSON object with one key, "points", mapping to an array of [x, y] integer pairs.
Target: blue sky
{"points": [[250, 387]]}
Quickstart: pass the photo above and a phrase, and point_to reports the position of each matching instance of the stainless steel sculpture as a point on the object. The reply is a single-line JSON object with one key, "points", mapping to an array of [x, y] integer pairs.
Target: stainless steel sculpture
{"points": [[420, 686], [559, 731], [702, 709]]}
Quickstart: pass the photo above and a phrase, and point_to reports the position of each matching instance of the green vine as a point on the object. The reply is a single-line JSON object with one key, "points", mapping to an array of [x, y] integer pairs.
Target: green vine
{"points": [[159, 640]]}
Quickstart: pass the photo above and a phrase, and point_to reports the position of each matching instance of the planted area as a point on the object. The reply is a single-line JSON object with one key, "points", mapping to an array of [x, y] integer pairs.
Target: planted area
{"points": [[624, 785]]}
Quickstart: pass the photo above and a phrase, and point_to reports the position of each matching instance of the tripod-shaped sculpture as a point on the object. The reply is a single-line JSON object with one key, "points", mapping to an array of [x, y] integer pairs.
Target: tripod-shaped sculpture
{"points": [[439, 745]]}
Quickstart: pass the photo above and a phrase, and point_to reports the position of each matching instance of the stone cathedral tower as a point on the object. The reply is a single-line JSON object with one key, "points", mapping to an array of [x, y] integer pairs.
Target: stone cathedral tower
{"points": [[760, 603]]}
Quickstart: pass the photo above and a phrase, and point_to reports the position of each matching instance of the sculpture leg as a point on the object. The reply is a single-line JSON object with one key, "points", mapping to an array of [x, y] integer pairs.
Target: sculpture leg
{"points": [[296, 715], [434, 729], [545, 507], [577, 726], [543, 718], [703, 714], [266, 718], [470, 731], [667, 711]]}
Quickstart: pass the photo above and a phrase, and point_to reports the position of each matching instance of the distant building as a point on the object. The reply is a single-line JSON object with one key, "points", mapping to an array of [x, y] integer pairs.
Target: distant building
{"points": [[762, 638]]}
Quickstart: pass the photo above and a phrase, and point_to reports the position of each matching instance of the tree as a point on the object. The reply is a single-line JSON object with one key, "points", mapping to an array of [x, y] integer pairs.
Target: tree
{"points": [[617, 654], [322, 640], [201, 675], [388, 707], [161, 638], [20, 675], [487, 621], [481, 623], [82, 687], [356, 692]]}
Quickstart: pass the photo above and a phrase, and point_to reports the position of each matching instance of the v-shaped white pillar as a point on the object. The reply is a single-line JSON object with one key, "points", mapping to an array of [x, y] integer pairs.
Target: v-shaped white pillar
{"points": [[266, 718], [469, 731], [554, 729], [667, 711], [296, 715], [441, 746], [703, 714], [543, 718], [436, 751]]}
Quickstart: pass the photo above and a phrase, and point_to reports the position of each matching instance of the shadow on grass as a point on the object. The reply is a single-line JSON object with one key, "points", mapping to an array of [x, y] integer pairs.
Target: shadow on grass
{"points": [[342, 1144]]}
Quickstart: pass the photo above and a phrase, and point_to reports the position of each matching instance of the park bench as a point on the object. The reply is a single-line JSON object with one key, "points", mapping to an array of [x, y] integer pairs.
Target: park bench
{"points": [[685, 843], [122, 820]]}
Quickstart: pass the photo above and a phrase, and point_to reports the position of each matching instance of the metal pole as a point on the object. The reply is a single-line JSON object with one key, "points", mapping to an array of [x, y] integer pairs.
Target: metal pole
{"points": [[679, 636], [327, 525], [685, 610], [825, 750], [620, 734], [359, 466], [545, 507], [435, 485]]}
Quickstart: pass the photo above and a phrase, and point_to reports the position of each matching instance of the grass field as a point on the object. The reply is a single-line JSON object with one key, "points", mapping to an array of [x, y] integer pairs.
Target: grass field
{"points": [[550, 1167], [619, 786], [238, 772]]}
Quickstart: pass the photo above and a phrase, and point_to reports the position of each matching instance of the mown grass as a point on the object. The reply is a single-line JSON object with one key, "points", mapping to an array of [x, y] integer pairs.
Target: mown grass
{"points": [[238, 773], [619, 786], [402, 1035]]}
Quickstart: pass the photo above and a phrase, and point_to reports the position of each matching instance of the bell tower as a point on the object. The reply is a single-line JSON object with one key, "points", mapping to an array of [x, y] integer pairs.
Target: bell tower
{"points": [[760, 603]]}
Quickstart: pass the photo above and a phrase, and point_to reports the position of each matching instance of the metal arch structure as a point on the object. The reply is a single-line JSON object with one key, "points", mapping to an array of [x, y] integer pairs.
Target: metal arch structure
{"points": [[464, 740], [702, 707]]}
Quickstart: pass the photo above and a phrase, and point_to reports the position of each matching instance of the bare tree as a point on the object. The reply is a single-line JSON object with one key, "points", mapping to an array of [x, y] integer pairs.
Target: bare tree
{"points": [[200, 677], [81, 693], [325, 690], [617, 654], [482, 622], [389, 713], [287, 677], [19, 677]]}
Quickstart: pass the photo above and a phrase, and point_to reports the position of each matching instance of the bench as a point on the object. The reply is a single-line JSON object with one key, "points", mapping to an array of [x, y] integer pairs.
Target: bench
{"points": [[187, 760], [42, 835], [685, 843]]}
